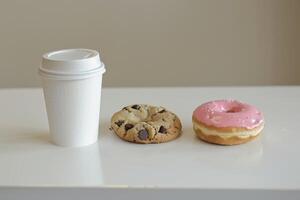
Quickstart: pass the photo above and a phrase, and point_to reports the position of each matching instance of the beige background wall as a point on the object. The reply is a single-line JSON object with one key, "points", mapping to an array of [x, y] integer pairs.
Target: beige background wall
{"points": [[157, 42]]}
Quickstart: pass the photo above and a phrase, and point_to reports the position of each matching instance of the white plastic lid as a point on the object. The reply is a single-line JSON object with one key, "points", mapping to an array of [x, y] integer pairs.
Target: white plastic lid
{"points": [[71, 62]]}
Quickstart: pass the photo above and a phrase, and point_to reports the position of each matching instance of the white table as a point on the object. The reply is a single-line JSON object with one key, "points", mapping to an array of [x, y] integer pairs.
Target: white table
{"points": [[267, 168]]}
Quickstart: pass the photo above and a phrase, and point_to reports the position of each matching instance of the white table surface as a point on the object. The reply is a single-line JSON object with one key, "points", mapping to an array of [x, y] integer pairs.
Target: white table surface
{"points": [[271, 162]]}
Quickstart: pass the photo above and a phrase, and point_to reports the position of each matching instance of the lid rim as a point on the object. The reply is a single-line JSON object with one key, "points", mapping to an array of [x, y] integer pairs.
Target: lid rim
{"points": [[44, 74], [65, 73]]}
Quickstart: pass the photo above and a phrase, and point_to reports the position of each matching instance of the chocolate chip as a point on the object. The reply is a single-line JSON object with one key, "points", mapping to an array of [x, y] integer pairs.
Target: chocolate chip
{"points": [[125, 108], [119, 123], [137, 107], [143, 134], [162, 111], [162, 129], [128, 126]]}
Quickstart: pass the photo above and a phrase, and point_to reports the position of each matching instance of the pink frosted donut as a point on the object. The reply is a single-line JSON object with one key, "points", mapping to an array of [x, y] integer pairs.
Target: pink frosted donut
{"points": [[227, 122]]}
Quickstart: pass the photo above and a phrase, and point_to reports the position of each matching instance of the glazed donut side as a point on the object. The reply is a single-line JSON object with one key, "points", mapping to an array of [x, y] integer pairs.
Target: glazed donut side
{"points": [[145, 124], [225, 136]]}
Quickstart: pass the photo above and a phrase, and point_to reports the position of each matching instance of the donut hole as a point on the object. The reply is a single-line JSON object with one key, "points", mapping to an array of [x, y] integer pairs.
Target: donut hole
{"points": [[234, 110]]}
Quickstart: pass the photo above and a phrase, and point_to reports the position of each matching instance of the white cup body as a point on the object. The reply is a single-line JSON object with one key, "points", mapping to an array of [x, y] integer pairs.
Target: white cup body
{"points": [[72, 82], [73, 108]]}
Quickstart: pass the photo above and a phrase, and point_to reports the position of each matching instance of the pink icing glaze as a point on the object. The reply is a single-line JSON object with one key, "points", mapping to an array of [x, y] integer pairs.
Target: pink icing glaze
{"points": [[228, 113]]}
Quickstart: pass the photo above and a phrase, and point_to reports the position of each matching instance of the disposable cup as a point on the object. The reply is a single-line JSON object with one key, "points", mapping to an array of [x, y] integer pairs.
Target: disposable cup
{"points": [[72, 82]]}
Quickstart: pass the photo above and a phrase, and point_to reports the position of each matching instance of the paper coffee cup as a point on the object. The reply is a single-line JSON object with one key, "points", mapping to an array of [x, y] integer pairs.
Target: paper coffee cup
{"points": [[72, 82]]}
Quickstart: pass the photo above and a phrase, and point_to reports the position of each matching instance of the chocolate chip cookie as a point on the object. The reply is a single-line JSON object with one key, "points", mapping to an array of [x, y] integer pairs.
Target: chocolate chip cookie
{"points": [[146, 124]]}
